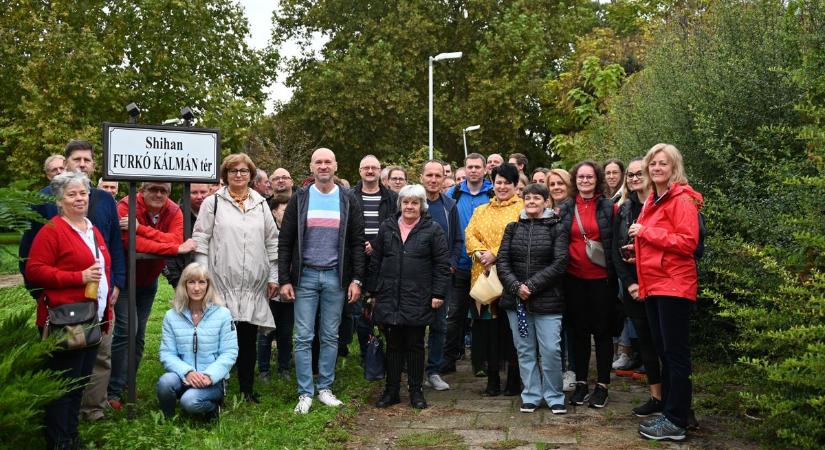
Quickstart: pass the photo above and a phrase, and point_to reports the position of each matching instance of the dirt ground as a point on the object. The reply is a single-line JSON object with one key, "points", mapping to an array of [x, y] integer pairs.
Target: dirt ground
{"points": [[462, 418], [10, 279]]}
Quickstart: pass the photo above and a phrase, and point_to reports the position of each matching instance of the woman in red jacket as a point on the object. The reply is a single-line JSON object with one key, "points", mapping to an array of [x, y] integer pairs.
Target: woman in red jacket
{"points": [[666, 235], [68, 253]]}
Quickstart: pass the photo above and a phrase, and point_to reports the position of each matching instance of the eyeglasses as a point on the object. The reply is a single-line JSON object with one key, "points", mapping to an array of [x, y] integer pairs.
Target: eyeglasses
{"points": [[284, 178], [368, 168], [585, 177], [157, 190], [241, 172], [398, 179], [632, 175]]}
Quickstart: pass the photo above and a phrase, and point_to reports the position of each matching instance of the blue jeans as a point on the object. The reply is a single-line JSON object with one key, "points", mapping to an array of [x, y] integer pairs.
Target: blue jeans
{"points": [[546, 383], [318, 289], [193, 400], [144, 298], [435, 342]]}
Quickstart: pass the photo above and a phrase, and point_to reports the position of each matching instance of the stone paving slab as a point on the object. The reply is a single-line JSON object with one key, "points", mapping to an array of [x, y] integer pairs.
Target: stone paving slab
{"points": [[486, 405], [542, 434], [475, 437]]}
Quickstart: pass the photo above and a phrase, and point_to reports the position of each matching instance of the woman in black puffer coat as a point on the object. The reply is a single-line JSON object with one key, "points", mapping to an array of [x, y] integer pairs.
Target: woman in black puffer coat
{"points": [[531, 265], [409, 277]]}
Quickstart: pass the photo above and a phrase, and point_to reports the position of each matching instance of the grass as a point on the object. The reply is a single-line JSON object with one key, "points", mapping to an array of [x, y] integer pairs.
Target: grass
{"points": [[431, 439], [8, 259], [270, 424]]}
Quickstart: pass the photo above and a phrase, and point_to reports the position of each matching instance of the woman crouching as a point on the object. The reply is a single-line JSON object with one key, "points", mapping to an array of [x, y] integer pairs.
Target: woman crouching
{"points": [[531, 265], [410, 273], [198, 347]]}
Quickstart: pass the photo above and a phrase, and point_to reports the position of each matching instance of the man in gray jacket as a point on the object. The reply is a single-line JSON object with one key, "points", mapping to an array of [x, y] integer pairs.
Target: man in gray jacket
{"points": [[320, 264]]}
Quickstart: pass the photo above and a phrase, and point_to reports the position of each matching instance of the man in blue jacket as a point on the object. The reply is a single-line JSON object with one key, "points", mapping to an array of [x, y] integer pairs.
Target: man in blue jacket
{"points": [[103, 215], [443, 211], [471, 193]]}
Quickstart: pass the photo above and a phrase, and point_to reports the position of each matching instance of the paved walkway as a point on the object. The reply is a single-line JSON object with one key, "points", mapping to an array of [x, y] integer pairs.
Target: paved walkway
{"points": [[462, 418]]}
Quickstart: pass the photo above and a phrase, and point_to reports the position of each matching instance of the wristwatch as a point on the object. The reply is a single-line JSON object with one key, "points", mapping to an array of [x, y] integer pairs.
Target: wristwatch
{"points": [[358, 282]]}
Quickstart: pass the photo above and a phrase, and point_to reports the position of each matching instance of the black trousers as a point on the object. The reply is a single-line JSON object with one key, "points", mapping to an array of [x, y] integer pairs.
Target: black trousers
{"points": [[670, 325], [591, 304], [404, 343], [457, 308], [62, 414], [496, 344], [647, 349], [247, 355]]}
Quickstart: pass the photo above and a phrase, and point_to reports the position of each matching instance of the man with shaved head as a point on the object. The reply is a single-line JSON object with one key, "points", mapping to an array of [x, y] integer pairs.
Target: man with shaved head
{"points": [[320, 267], [281, 181]]}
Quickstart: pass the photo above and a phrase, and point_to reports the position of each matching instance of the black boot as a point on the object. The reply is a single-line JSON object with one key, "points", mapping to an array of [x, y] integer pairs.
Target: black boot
{"points": [[417, 399], [493, 385], [388, 398]]}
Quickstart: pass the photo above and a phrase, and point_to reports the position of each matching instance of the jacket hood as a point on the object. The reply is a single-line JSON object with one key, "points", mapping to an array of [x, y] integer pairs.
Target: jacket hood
{"points": [[547, 214], [253, 194], [676, 190]]}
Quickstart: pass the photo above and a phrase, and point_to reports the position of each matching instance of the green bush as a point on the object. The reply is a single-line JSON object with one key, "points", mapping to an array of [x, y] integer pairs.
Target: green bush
{"points": [[739, 87], [25, 385]]}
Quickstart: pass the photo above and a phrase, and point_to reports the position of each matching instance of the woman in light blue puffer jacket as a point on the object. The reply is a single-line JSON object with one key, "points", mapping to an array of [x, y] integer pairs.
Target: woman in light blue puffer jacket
{"points": [[198, 346]]}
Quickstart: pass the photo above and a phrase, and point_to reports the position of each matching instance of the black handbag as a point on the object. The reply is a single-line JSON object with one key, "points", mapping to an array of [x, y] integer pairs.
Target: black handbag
{"points": [[375, 360], [75, 325]]}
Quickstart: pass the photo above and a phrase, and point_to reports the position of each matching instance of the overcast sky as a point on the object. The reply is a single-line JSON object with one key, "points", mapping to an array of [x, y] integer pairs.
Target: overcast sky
{"points": [[259, 14]]}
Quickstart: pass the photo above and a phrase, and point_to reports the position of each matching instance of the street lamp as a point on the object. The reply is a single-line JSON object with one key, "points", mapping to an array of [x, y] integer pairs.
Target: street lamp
{"points": [[438, 57], [464, 135]]}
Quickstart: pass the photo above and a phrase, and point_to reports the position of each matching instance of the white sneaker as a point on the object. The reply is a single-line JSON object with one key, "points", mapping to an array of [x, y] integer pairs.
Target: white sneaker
{"points": [[304, 403], [622, 362], [569, 381], [328, 398], [436, 382]]}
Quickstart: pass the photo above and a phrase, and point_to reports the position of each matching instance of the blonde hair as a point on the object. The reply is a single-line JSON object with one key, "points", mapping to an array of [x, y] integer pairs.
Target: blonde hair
{"points": [[625, 187], [195, 271], [673, 155], [565, 178]]}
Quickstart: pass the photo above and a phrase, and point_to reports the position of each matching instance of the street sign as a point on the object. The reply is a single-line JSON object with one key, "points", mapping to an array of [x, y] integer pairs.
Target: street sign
{"points": [[160, 153]]}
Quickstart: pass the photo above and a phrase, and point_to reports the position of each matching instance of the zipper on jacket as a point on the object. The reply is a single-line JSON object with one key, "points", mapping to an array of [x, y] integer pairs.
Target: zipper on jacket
{"points": [[195, 347]]}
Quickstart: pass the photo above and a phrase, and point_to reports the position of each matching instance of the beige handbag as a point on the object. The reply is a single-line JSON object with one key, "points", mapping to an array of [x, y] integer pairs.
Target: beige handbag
{"points": [[487, 288]]}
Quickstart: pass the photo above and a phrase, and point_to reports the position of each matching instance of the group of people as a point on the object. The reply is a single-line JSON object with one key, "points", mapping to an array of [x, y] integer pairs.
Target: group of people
{"points": [[313, 267]]}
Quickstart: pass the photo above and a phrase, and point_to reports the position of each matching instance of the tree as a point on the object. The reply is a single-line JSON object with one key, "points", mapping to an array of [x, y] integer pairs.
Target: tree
{"points": [[69, 66]]}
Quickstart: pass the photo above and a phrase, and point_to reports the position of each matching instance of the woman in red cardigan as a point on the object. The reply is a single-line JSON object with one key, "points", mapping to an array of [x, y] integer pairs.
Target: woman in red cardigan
{"points": [[68, 253], [666, 235]]}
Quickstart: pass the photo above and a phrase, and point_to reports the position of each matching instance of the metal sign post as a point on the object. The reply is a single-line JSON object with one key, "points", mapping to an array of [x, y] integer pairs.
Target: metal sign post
{"points": [[155, 153]]}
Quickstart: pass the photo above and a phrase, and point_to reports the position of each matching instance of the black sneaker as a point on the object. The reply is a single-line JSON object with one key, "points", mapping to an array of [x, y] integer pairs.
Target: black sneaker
{"points": [[581, 394], [558, 409], [599, 397], [650, 408], [528, 408]]}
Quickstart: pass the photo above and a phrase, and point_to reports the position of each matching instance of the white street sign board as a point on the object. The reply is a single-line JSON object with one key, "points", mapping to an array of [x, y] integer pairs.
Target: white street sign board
{"points": [[160, 153]]}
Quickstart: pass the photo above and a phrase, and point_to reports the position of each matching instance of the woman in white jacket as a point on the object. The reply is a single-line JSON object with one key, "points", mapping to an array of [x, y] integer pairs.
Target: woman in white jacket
{"points": [[238, 240]]}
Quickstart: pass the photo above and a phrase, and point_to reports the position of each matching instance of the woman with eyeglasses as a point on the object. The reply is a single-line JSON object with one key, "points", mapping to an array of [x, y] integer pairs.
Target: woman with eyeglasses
{"points": [[238, 241], [665, 239], [589, 286], [198, 347], [636, 191], [613, 179]]}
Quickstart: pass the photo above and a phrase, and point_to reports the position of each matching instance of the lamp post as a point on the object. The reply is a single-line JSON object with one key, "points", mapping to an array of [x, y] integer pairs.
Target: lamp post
{"points": [[464, 135], [438, 57]]}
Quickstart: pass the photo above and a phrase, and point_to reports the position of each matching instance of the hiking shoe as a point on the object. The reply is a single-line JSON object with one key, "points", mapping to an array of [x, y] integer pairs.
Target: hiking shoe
{"points": [[326, 397], [558, 409], [528, 408], [581, 394], [569, 381], [623, 362], [599, 397], [436, 382], [663, 429], [304, 403], [650, 422], [417, 399], [650, 408]]}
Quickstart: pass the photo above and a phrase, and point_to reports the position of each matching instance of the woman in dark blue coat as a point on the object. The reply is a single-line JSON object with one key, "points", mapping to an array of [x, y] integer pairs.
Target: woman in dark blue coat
{"points": [[409, 278]]}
